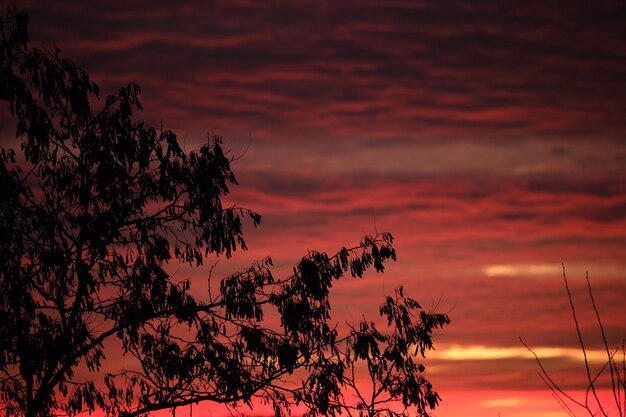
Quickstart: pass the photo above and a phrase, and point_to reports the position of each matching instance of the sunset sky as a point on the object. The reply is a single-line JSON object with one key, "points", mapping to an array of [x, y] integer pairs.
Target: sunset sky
{"points": [[488, 137]]}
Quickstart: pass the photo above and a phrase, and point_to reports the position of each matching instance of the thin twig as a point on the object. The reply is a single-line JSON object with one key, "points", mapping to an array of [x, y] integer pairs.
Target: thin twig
{"points": [[547, 379], [582, 346], [606, 345]]}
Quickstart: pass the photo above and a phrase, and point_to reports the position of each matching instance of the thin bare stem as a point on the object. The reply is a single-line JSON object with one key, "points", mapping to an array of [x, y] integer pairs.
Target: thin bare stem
{"points": [[582, 346], [624, 371], [618, 372], [606, 345], [561, 402], [548, 380]]}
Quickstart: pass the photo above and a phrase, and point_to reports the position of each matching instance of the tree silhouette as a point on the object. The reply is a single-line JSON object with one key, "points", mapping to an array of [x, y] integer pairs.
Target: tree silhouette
{"points": [[95, 207]]}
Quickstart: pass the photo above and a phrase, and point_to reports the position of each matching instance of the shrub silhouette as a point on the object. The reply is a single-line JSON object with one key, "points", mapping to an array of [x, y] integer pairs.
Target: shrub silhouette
{"points": [[93, 209]]}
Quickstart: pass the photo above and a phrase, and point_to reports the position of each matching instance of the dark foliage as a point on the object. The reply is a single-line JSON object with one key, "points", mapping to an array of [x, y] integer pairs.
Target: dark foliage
{"points": [[94, 208]]}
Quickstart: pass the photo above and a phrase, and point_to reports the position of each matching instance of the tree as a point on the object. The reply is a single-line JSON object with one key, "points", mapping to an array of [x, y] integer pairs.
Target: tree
{"points": [[92, 212], [613, 369]]}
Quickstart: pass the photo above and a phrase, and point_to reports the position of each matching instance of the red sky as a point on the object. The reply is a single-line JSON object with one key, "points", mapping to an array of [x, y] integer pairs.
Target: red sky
{"points": [[490, 140]]}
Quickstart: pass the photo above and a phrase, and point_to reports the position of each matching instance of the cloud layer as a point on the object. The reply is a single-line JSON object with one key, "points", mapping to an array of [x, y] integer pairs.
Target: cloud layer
{"points": [[488, 137], [328, 70]]}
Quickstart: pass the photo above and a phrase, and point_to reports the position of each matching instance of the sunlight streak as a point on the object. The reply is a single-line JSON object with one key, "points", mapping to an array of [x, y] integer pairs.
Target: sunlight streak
{"points": [[521, 270], [477, 352]]}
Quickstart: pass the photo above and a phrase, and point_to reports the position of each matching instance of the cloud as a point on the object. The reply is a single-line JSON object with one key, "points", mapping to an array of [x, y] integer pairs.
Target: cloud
{"points": [[409, 70]]}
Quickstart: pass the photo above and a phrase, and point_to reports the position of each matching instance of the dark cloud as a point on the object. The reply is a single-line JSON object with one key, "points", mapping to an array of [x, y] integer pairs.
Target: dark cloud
{"points": [[607, 213], [604, 187], [442, 68]]}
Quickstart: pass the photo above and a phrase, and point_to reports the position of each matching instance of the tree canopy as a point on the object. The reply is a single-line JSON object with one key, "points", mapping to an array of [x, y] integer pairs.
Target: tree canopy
{"points": [[96, 204]]}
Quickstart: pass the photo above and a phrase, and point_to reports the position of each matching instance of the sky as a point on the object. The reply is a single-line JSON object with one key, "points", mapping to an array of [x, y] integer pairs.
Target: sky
{"points": [[488, 137]]}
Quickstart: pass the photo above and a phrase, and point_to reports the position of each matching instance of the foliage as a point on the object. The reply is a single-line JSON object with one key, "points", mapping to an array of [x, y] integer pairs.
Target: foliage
{"points": [[92, 212], [591, 404]]}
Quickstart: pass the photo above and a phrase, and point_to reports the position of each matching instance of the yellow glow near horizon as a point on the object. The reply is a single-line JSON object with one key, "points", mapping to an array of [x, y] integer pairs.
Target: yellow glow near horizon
{"points": [[554, 270], [514, 270], [477, 352]]}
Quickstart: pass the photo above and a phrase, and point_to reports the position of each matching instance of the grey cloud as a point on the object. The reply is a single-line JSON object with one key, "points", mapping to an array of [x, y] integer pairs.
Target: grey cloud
{"points": [[551, 62]]}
